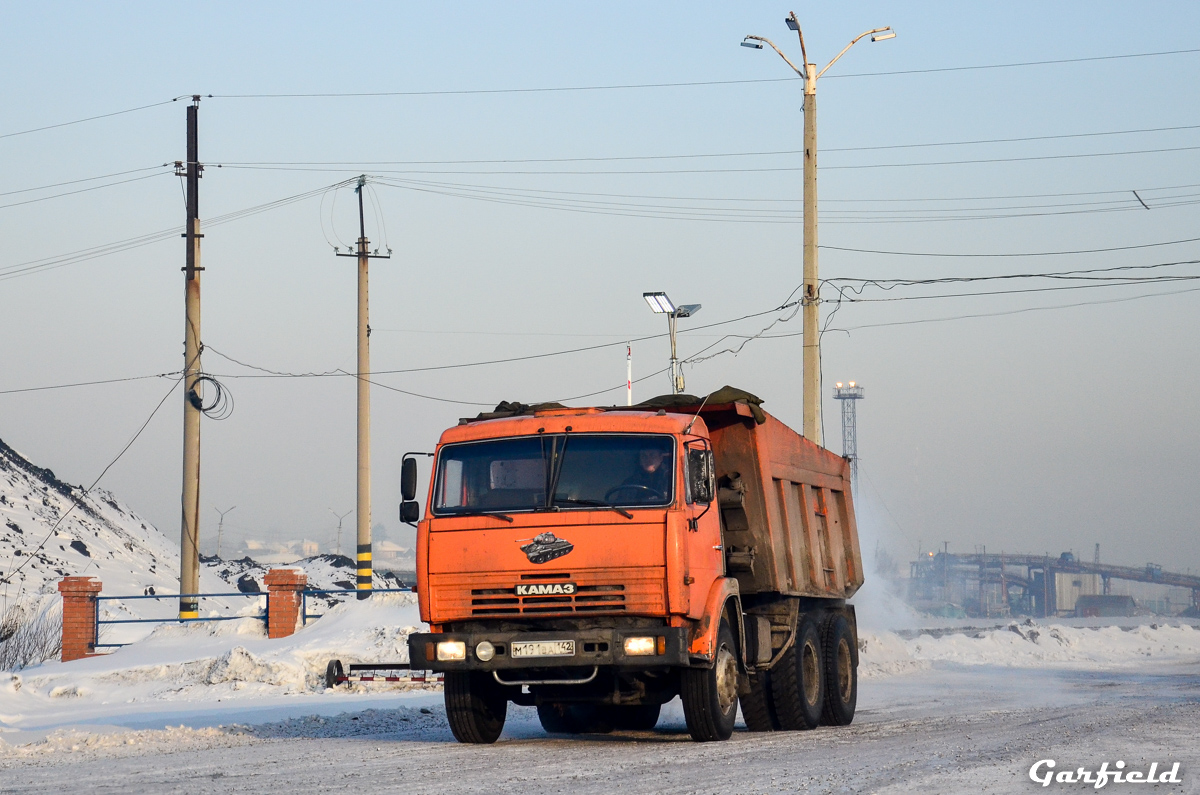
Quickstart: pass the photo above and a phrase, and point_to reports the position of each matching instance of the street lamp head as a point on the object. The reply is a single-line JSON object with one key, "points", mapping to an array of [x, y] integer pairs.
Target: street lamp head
{"points": [[891, 34], [659, 303], [754, 45], [687, 310], [791, 22]]}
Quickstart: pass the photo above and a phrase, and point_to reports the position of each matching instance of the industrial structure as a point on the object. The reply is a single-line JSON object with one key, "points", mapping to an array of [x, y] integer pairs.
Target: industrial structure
{"points": [[849, 395], [991, 585]]}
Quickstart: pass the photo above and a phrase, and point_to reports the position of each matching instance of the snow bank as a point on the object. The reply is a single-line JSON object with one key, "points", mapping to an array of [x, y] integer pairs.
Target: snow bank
{"points": [[1031, 645], [209, 663]]}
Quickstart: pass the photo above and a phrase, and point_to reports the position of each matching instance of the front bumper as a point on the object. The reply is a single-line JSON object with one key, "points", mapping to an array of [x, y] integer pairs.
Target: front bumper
{"points": [[603, 647]]}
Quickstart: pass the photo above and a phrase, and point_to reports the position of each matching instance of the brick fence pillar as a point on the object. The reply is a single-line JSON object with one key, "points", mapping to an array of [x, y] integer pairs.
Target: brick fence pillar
{"points": [[78, 616], [283, 600]]}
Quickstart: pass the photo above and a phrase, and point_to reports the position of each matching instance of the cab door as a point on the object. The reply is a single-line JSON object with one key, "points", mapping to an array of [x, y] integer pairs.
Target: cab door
{"points": [[705, 555]]}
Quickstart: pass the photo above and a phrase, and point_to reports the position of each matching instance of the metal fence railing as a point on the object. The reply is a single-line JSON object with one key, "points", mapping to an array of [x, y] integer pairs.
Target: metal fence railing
{"points": [[264, 616]]}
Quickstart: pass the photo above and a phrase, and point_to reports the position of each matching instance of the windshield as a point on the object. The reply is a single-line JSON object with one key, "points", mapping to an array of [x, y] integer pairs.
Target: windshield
{"points": [[593, 471]]}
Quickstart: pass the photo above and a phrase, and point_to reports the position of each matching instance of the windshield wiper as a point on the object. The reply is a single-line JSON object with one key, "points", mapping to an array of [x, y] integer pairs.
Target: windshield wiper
{"points": [[496, 514], [596, 503]]}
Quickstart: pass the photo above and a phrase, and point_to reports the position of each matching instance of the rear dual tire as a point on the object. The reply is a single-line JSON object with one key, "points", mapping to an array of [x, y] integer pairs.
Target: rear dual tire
{"points": [[797, 680], [840, 652]]}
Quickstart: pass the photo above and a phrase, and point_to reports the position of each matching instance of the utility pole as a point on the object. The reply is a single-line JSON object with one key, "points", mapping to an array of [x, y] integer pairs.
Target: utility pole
{"points": [[340, 517], [189, 537], [363, 375], [221, 527], [810, 299]]}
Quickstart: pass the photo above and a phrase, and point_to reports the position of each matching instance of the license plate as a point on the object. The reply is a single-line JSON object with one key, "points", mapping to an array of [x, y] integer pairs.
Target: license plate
{"points": [[543, 648]]}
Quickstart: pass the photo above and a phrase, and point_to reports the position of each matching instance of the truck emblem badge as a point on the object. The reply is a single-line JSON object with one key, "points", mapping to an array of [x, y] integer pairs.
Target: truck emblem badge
{"points": [[546, 547]]}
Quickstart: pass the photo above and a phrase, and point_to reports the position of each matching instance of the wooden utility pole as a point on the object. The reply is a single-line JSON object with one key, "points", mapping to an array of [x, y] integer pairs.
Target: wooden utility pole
{"points": [[363, 505], [189, 541]]}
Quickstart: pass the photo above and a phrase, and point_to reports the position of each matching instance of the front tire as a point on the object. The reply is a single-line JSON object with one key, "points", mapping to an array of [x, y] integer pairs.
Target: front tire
{"points": [[475, 707], [797, 680], [709, 695], [841, 671]]}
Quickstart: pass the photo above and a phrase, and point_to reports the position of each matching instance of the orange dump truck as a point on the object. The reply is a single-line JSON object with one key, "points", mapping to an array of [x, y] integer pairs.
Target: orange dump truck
{"points": [[598, 562]]}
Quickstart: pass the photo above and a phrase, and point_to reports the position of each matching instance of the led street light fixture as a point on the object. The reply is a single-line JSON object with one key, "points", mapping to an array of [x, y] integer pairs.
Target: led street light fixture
{"points": [[659, 303], [884, 36], [752, 44], [791, 23], [687, 310]]}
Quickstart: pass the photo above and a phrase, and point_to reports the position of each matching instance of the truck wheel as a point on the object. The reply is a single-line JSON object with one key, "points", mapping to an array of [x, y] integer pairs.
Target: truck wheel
{"points": [[841, 671], [639, 718], [475, 707], [796, 680], [710, 695], [757, 709]]}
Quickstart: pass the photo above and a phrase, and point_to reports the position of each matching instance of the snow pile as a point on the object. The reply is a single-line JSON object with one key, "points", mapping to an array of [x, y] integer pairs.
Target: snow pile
{"points": [[885, 654], [212, 662], [100, 537], [1032, 645]]}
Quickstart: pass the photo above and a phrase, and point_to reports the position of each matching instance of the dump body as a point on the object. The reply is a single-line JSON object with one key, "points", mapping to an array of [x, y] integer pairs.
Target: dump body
{"points": [[787, 512]]}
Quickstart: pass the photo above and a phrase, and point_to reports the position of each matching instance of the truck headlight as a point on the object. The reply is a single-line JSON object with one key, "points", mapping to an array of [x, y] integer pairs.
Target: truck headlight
{"points": [[485, 651], [451, 651], [638, 647]]}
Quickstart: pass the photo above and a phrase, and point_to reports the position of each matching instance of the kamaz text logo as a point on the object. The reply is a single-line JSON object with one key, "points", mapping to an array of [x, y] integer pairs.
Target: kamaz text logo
{"points": [[546, 589]]}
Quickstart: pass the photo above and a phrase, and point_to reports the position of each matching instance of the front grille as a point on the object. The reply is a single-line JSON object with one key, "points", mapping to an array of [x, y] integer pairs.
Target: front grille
{"points": [[586, 599], [493, 594]]}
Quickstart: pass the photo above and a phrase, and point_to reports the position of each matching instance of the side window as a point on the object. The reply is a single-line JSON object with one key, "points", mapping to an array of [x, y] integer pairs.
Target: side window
{"points": [[698, 473]]}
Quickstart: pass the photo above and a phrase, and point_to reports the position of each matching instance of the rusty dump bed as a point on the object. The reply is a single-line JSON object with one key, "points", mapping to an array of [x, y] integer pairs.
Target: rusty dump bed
{"points": [[786, 509]]}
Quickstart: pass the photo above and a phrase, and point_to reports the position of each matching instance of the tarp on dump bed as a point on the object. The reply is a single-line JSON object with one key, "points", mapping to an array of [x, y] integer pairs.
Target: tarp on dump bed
{"points": [[724, 395]]}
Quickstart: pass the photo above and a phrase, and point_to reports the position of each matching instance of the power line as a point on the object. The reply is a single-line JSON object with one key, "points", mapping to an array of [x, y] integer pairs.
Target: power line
{"points": [[83, 190], [91, 118], [88, 383], [85, 179], [772, 169], [1010, 254], [1012, 65], [50, 263], [625, 158], [689, 84], [29, 556]]}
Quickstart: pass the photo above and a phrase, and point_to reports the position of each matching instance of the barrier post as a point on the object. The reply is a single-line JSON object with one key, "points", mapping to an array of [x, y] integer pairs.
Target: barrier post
{"points": [[78, 616], [284, 593]]}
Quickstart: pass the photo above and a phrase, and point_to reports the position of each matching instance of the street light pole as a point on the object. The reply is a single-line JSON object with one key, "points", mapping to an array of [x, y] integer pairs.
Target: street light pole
{"points": [[660, 304], [810, 299]]}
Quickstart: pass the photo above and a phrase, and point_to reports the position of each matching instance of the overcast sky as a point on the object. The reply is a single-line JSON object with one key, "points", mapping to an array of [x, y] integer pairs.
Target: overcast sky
{"points": [[1026, 431]]}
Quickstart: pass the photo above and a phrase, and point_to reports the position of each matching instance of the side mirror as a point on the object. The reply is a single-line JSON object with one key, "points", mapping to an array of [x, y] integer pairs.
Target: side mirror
{"points": [[410, 511], [408, 479], [700, 474]]}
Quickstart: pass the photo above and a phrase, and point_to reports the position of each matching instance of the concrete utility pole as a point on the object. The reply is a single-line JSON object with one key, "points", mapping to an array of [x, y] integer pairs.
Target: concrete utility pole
{"points": [[363, 375], [810, 299], [189, 536], [221, 527]]}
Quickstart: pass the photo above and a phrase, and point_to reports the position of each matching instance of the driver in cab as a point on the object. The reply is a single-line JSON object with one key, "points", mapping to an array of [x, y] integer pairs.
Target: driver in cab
{"points": [[651, 479]]}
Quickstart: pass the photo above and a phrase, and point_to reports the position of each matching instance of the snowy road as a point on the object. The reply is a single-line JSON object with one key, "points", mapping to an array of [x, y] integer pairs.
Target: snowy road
{"points": [[952, 728]]}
